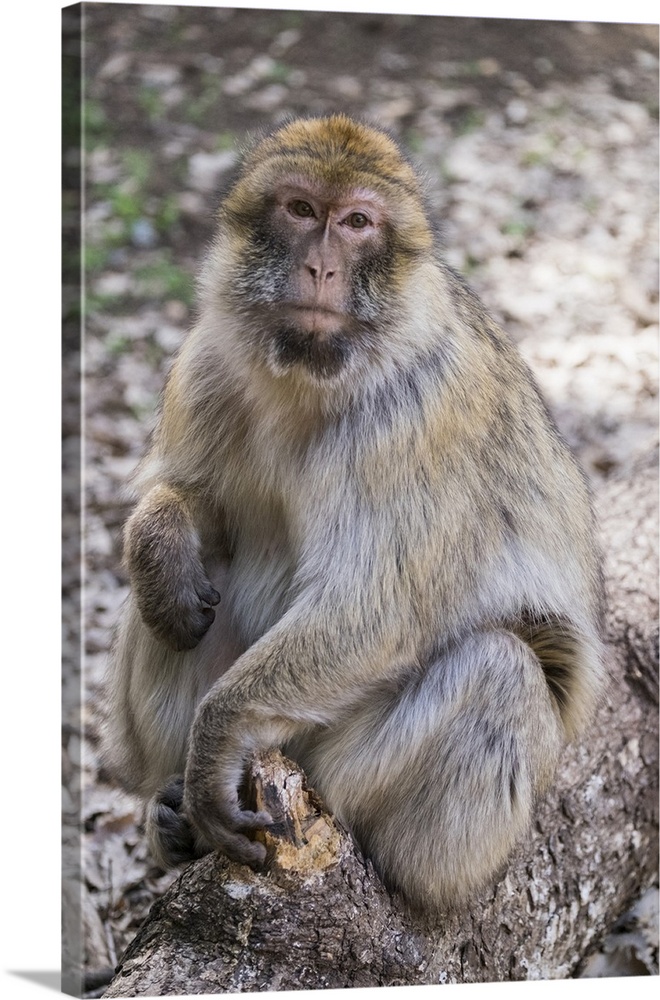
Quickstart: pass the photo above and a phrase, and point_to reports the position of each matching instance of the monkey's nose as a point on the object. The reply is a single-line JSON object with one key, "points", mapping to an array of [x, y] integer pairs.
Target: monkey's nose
{"points": [[320, 274]]}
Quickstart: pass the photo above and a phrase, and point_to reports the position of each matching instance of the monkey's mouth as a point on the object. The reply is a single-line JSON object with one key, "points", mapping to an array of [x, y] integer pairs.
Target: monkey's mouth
{"points": [[315, 318]]}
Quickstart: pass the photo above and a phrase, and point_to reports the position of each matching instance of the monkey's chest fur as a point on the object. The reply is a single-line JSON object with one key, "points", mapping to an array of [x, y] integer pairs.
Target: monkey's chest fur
{"points": [[265, 549], [260, 577]]}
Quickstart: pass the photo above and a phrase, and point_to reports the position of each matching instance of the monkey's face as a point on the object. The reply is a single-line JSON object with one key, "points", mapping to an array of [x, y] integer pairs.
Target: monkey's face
{"points": [[317, 275], [325, 226]]}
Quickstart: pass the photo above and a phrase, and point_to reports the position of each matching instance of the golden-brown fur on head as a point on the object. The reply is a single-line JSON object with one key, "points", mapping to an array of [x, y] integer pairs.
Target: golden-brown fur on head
{"points": [[338, 154]]}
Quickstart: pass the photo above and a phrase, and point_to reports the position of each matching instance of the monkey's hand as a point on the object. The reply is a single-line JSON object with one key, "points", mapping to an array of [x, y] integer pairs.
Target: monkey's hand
{"points": [[171, 588], [221, 742], [179, 611]]}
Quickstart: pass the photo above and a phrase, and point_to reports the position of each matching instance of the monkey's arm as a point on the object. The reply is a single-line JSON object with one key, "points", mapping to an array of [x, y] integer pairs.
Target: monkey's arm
{"points": [[171, 588], [320, 657]]}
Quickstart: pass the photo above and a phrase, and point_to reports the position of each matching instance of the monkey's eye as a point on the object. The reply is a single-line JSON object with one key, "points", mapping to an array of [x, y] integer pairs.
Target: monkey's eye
{"points": [[302, 209], [357, 220]]}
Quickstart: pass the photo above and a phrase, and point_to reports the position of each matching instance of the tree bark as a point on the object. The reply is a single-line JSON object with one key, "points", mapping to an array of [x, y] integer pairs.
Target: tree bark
{"points": [[319, 917]]}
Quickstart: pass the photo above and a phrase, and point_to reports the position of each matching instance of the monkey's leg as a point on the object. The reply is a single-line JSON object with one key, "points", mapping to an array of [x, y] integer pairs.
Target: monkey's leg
{"points": [[437, 781]]}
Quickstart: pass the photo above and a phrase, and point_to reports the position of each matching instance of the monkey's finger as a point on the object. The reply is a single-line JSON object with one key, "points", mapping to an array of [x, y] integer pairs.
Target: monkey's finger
{"points": [[239, 848], [248, 820], [209, 595]]}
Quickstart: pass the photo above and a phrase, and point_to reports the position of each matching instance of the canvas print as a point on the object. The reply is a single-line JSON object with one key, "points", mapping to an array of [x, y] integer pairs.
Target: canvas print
{"points": [[360, 352]]}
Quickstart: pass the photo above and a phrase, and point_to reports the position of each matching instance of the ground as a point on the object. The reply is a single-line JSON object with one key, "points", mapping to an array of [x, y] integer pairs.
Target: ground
{"points": [[539, 141]]}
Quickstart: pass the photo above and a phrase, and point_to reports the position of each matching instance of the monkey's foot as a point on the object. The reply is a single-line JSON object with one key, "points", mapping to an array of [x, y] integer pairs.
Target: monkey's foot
{"points": [[171, 837]]}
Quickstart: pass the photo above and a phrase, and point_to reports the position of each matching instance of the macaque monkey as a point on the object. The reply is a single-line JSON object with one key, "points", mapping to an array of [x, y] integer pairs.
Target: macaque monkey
{"points": [[359, 536]]}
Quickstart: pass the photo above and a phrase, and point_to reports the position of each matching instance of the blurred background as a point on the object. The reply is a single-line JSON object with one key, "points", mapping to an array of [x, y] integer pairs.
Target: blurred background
{"points": [[539, 140]]}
